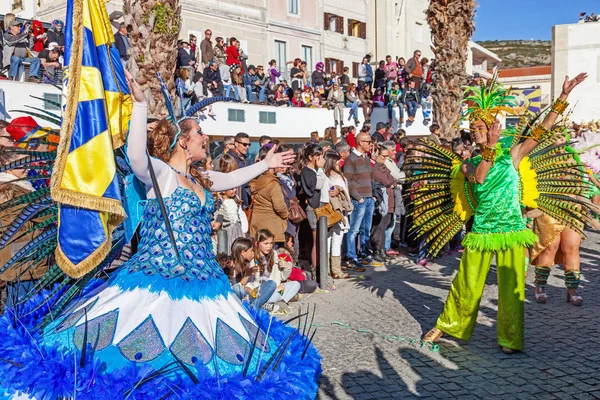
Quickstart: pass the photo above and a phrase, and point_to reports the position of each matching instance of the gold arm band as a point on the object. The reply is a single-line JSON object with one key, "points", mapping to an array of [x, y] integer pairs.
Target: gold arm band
{"points": [[559, 106], [488, 153], [471, 178], [539, 133]]}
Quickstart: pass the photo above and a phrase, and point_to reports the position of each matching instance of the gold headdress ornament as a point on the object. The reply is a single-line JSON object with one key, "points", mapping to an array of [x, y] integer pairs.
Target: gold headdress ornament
{"points": [[485, 102]]}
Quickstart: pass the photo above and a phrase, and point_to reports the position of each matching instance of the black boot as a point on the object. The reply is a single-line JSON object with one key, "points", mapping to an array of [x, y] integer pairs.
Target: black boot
{"points": [[379, 257]]}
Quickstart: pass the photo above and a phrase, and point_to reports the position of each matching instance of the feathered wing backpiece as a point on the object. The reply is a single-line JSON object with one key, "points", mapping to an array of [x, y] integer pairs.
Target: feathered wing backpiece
{"points": [[441, 202], [554, 179]]}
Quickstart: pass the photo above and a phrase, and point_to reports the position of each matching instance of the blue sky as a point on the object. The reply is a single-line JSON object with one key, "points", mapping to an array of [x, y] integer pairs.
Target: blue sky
{"points": [[527, 19]]}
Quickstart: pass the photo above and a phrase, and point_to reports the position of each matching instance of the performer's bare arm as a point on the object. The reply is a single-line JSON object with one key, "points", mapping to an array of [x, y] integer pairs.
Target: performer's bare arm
{"points": [[522, 149], [138, 158], [480, 173]]}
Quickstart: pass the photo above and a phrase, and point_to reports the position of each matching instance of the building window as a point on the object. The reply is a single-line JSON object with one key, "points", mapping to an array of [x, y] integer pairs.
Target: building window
{"points": [[419, 32], [267, 117], [357, 29], [52, 101], [334, 66], [355, 66], [281, 57], [235, 115], [17, 5], [333, 23], [293, 7], [307, 56]]}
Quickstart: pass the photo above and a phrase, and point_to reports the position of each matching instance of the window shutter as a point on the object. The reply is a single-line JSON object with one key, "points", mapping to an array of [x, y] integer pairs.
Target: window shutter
{"points": [[350, 23], [339, 25], [355, 69], [339, 67], [327, 66], [363, 30], [326, 21]]}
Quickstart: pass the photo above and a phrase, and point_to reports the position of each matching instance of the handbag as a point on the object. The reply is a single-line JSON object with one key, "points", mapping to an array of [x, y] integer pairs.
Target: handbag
{"points": [[248, 212], [333, 217], [296, 214]]}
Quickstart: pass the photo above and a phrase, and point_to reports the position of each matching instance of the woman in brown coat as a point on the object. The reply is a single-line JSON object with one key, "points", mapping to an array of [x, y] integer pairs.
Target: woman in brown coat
{"points": [[268, 206]]}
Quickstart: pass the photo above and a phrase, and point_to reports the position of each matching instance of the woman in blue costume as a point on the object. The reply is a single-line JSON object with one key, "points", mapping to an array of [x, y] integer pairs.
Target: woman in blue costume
{"points": [[167, 307]]}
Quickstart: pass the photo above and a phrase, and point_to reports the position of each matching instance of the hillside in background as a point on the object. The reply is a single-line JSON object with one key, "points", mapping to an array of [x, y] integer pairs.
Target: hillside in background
{"points": [[520, 53]]}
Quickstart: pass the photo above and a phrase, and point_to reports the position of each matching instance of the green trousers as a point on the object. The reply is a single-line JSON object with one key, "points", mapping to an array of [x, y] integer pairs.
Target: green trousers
{"points": [[462, 305]]}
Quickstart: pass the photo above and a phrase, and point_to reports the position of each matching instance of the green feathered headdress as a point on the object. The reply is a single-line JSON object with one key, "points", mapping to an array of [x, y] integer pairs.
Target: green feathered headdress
{"points": [[485, 102]]}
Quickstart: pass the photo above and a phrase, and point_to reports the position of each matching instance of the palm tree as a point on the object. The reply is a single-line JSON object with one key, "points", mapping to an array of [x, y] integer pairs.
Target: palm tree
{"points": [[452, 25], [153, 49]]}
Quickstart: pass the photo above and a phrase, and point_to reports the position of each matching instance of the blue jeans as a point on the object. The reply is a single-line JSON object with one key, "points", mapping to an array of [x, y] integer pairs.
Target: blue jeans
{"points": [[353, 110], [265, 292], [251, 98], [15, 64], [411, 107], [422, 249], [426, 108], [388, 233], [228, 91], [360, 223], [390, 82]]}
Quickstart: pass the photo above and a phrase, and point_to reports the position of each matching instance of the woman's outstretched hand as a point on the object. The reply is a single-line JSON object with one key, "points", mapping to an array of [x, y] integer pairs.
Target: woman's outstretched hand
{"points": [[279, 160], [136, 91]]}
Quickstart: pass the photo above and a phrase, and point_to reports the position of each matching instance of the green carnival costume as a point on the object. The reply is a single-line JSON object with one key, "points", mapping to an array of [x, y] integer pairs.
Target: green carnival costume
{"points": [[445, 200], [498, 228]]}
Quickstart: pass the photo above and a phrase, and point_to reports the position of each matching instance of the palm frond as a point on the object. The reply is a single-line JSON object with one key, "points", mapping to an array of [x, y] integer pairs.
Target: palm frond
{"points": [[40, 116]]}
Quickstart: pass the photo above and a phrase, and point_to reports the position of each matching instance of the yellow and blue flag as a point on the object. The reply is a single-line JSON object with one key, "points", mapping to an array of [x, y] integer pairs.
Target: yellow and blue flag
{"points": [[95, 121]]}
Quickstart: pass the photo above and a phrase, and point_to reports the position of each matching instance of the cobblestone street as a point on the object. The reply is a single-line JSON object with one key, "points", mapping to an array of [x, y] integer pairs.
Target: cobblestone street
{"points": [[369, 331]]}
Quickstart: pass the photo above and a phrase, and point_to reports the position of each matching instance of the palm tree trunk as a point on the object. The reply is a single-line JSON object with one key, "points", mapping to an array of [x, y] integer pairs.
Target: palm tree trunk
{"points": [[153, 49], [452, 25]]}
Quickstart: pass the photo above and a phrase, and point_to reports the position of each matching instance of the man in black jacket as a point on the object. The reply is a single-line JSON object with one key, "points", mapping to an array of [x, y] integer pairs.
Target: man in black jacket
{"points": [[411, 98], [240, 155], [122, 43], [186, 58], [212, 79]]}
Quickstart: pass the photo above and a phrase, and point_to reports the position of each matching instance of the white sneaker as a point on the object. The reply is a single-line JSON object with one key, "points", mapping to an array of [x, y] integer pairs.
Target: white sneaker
{"points": [[271, 307]]}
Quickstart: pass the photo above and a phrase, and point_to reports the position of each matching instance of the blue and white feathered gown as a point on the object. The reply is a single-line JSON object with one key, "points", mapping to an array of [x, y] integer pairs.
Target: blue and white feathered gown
{"points": [[156, 308], [159, 310]]}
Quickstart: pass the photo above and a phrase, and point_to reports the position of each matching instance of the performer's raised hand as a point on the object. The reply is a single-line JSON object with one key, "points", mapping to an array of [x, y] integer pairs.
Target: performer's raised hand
{"points": [[493, 135], [569, 85], [136, 91], [279, 160]]}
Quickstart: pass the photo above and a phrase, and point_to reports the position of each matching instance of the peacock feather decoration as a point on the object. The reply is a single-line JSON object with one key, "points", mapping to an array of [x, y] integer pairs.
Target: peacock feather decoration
{"points": [[441, 202]]}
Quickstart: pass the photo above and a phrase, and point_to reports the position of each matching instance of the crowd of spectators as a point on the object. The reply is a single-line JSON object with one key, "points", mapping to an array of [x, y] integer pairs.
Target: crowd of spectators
{"points": [[216, 68], [356, 180], [584, 17], [30, 44]]}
